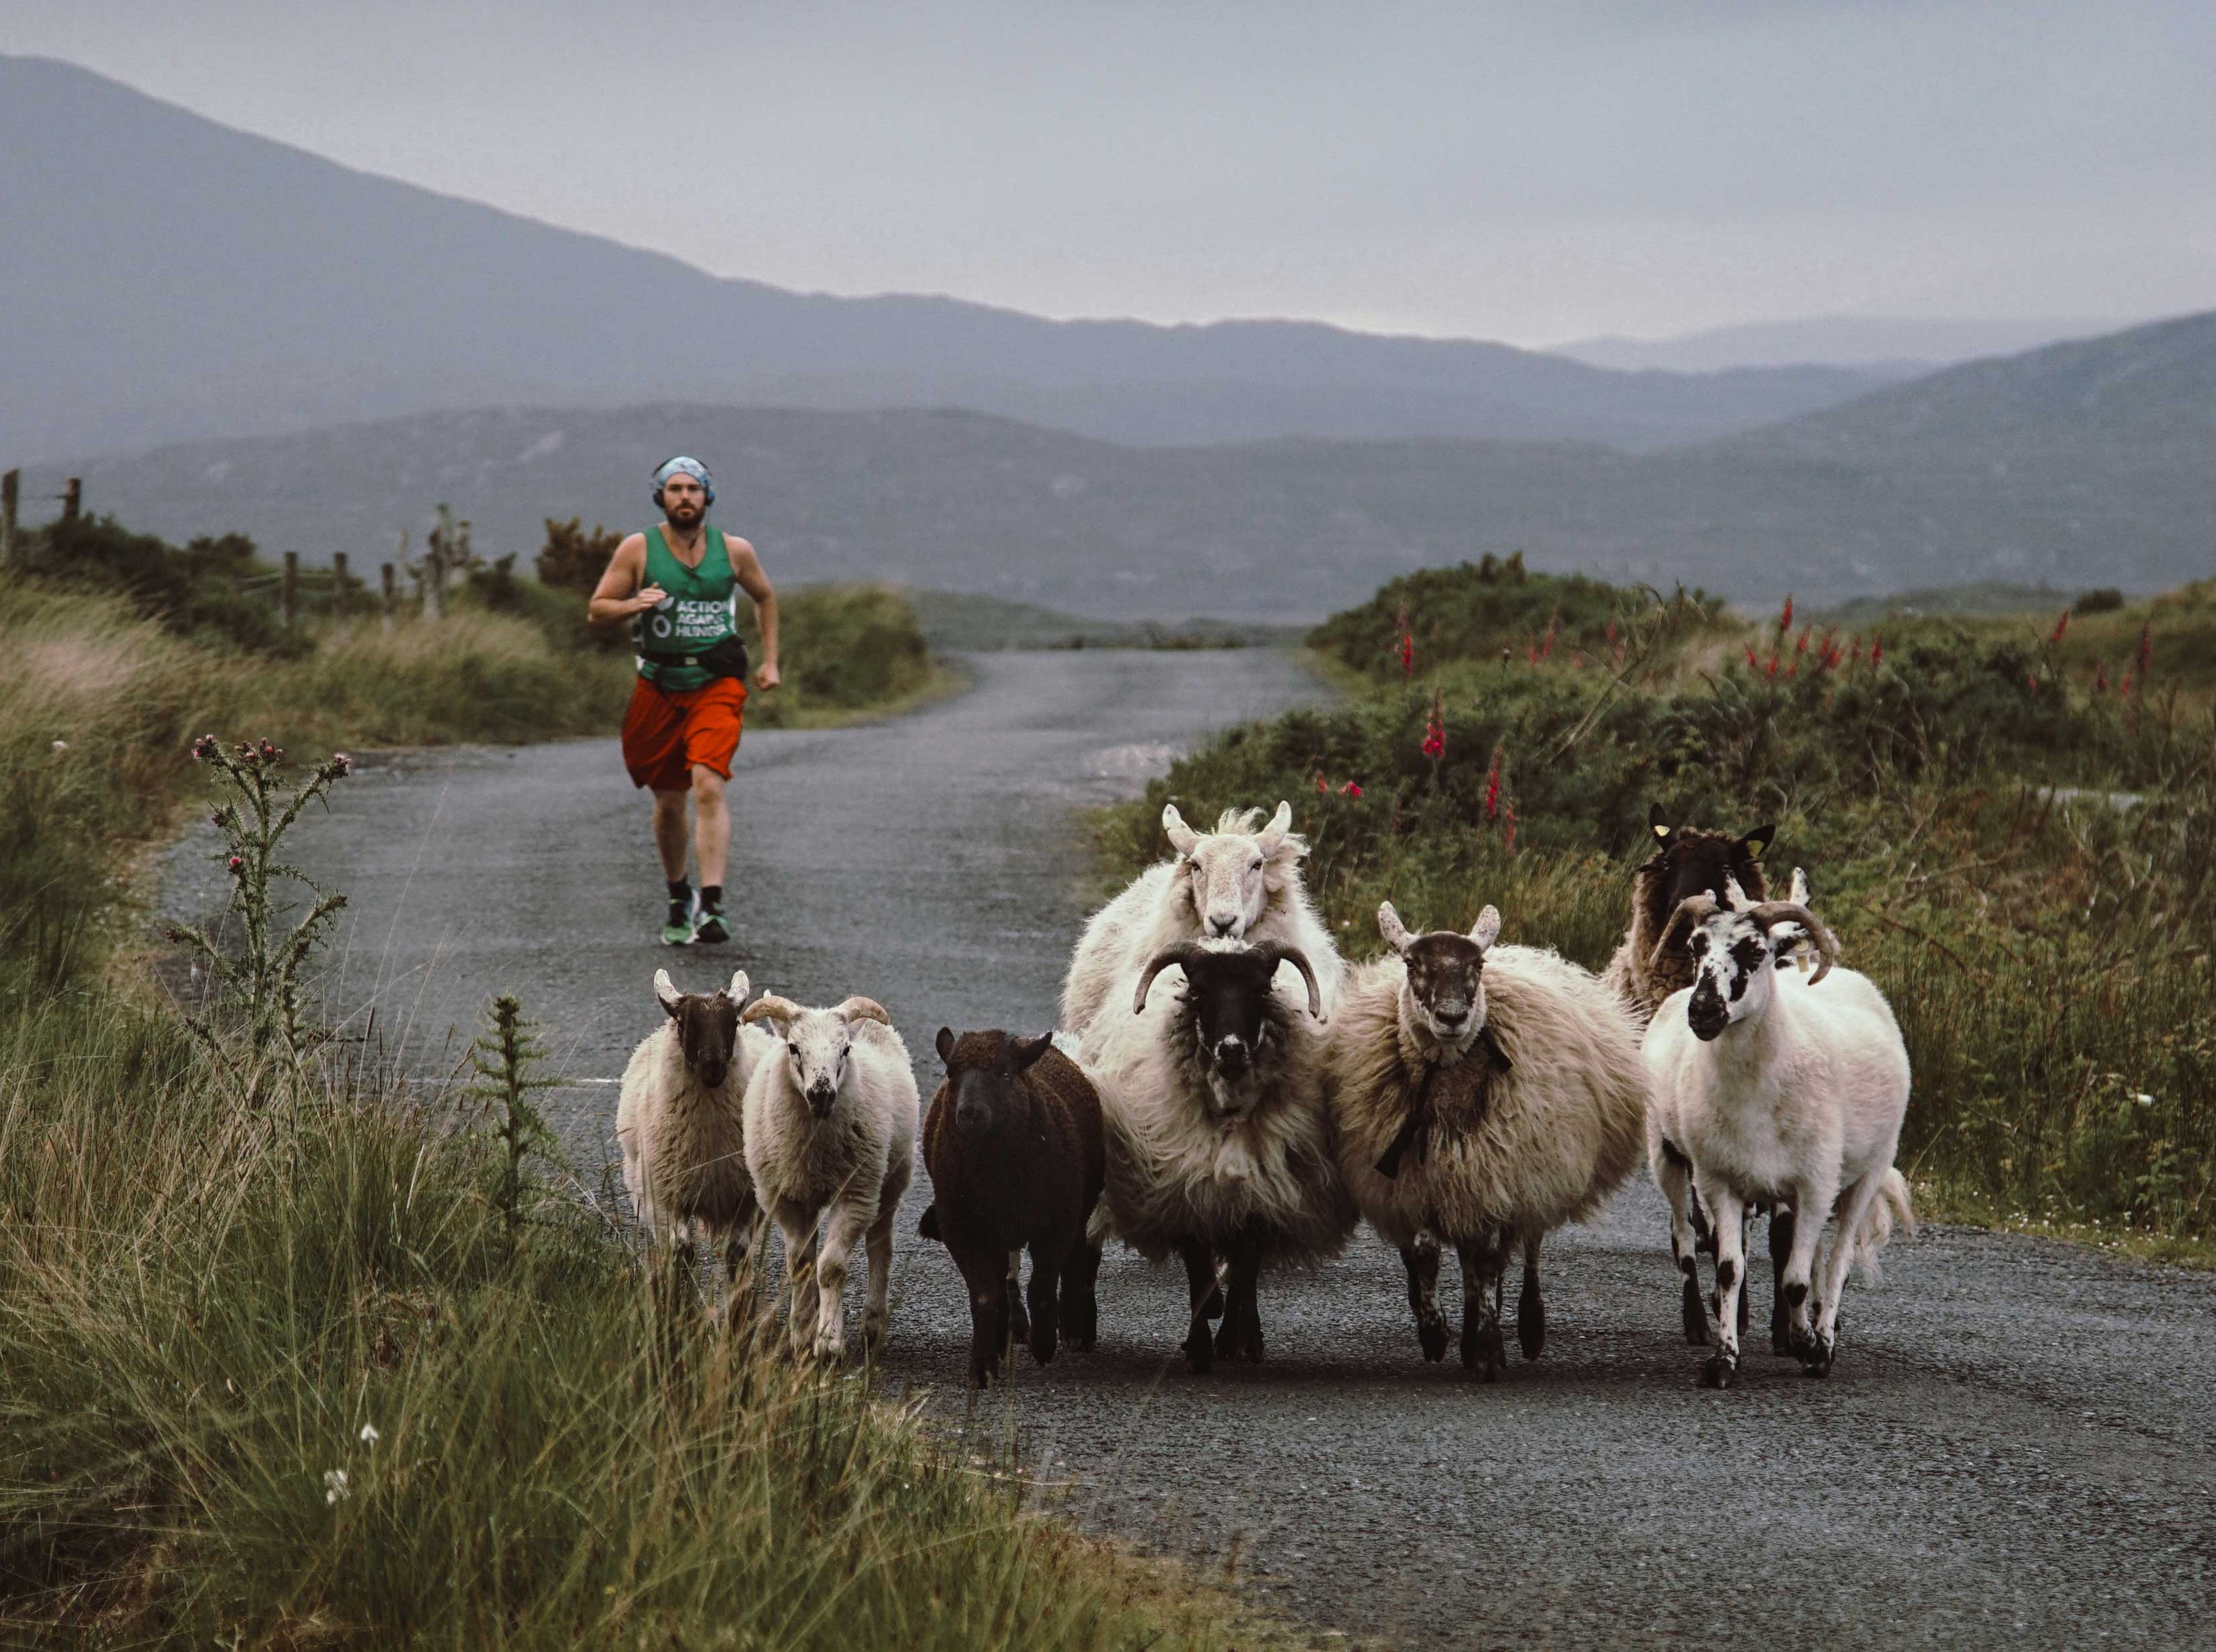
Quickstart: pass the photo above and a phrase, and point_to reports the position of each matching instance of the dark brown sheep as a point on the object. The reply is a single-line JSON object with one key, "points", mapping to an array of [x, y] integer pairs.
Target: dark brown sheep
{"points": [[1015, 1149]]}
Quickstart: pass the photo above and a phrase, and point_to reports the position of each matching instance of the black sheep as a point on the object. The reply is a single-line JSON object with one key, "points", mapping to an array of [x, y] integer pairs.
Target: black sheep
{"points": [[1015, 1149]]}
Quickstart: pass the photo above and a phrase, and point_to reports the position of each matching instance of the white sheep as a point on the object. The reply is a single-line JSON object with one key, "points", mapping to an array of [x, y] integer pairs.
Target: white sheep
{"points": [[1240, 882], [679, 1127], [831, 1126], [1482, 1096], [1771, 1086], [1218, 1144]]}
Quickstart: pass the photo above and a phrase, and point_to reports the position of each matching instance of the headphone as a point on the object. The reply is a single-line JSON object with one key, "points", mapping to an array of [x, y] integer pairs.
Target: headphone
{"points": [[682, 464]]}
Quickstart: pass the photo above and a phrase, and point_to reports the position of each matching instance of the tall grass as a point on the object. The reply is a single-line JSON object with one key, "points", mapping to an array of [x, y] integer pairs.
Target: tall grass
{"points": [[2027, 867]]}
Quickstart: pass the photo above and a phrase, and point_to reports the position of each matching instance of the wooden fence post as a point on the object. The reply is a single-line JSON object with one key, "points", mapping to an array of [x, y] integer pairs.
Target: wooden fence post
{"points": [[11, 489], [385, 576], [72, 498], [340, 596], [288, 597]]}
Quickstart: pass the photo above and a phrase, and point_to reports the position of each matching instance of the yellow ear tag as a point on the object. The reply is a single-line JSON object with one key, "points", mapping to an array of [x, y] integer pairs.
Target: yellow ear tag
{"points": [[1661, 831]]}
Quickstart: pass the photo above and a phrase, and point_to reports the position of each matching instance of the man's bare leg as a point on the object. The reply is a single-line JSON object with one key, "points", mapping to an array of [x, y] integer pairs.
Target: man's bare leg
{"points": [[669, 834], [711, 827]]}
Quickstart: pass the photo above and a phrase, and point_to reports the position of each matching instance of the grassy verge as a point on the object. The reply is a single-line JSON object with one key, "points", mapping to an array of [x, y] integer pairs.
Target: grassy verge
{"points": [[2048, 950]]}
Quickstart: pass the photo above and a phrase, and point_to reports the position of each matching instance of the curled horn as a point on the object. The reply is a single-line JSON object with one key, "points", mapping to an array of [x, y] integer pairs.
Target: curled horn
{"points": [[1395, 932], [1178, 954], [1278, 954], [1272, 836], [769, 1007], [1770, 913], [1182, 837], [859, 1008], [1691, 910]]}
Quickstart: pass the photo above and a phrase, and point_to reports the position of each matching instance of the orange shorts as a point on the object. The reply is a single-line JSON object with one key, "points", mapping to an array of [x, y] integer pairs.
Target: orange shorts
{"points": [[666, 733]]}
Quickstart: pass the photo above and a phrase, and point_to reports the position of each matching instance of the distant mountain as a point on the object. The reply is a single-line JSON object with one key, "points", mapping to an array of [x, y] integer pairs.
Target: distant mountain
{"points": [[2082, 464], [1884, 347], [165, 278]]}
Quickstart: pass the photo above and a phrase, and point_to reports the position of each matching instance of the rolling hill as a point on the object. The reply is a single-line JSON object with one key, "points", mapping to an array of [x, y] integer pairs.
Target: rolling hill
{"points": [[166, 278], [2085, 463]]}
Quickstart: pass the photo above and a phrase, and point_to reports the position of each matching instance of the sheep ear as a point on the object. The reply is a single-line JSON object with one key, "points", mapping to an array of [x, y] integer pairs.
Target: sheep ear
{"points": [[1182, 837], [769, 1007], [1487, 928], [665, 991], [1272, 836], [1395, 932], [736, 992], [1659, 823], [1798, 895], [1734, 897], [859, 1008], [1028, 1050], [944, 1045], [1757, 841]]}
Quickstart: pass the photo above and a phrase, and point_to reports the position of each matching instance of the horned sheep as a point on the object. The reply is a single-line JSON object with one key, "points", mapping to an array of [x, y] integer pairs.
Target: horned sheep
{"points": [[680, 1129], [1218, 1143], [1241, 882], [831, 1128], [1771, 1086], [1482, 1096]]}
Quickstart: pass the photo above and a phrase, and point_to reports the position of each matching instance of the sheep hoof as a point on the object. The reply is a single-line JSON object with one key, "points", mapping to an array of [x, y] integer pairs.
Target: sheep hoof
{"points": [[1696, 1317], [1484, 1351], [1719, 1371], [1531, 1326], [1431, 1333], [1816, 1360], [1199, 1350]]}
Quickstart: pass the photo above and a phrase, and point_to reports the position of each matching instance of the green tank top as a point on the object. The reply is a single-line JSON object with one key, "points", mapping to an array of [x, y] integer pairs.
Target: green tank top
{"points": [[699, 611]]}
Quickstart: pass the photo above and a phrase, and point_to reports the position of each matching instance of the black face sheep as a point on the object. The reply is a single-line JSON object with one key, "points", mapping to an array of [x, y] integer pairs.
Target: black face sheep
{"points": [[679, 1127], [1482, 1096], [1217, 1141], [1013, 1145]]}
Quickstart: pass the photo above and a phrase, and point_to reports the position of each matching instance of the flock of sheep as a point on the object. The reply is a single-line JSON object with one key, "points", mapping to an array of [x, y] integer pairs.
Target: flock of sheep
{"points": [[1451, 1092]]}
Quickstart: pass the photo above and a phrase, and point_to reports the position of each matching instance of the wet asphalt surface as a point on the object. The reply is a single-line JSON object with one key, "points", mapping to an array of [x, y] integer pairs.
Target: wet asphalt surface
{"points": [[2014, 1450]]}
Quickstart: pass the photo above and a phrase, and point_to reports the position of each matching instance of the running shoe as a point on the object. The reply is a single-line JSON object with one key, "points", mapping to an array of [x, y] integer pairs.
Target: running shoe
{"points": [[677, 930], [709, 928]]}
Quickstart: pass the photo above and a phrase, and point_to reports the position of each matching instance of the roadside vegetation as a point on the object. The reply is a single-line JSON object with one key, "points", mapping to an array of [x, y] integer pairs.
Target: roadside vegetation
{"points": [[298, 1354], [2010, 821]]}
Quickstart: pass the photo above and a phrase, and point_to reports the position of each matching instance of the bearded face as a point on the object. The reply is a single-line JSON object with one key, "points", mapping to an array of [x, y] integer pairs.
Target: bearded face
{"points": [[684, 501]]}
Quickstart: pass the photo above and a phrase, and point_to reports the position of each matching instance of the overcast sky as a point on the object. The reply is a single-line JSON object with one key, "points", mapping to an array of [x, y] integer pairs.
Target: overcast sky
{"points": [[1535, 172]]}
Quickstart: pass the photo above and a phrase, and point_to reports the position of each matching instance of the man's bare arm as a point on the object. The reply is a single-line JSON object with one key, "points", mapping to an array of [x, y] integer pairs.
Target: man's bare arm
{"points": [[746, 568], [619, 595]]}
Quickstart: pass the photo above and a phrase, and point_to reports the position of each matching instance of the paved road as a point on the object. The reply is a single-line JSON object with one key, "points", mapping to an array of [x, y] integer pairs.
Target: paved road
{"points": [[2016, 1449]]}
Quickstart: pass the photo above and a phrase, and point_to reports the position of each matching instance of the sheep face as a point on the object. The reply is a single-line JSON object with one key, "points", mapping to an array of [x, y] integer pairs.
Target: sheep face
{"points": [[1731, 979], [1229, 1006], [707, 1025], [982, 1069], [817, 1043], [1689, 862], [1228, 875], [1443, 992]]}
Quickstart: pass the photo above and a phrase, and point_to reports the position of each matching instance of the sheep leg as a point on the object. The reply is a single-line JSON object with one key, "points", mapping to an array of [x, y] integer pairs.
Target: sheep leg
{"points": [[1080, 1302], [989, 1283], [739, 1241], [1016, 1325], [1421, 1258], [846, 1226], [1045, 1302], [1854, 1209], [1240, 1336], [1200, 1287], [1530, 1306], [1729, 1212], [1796, 1286], [1484, 1259], [1781, 1249], [797, 1224], [876, 1299], [1673, 1172], [1744, 1297]]}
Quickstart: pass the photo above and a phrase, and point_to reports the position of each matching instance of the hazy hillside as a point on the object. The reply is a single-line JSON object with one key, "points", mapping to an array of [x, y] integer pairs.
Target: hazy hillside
{"points": [[2082, 464], [165, 278], [1885, 346]]}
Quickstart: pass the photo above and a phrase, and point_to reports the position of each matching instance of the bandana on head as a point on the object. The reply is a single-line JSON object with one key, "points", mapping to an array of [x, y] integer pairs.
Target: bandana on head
{"points": [[691, 467]]}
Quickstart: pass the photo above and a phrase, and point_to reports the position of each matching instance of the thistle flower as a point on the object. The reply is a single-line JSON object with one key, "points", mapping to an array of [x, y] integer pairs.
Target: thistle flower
{"points": [[235, 864], [205, 748]]}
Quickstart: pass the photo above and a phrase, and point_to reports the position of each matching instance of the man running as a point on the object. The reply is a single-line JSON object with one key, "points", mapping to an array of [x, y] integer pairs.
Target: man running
{"points": [[678, 583]]}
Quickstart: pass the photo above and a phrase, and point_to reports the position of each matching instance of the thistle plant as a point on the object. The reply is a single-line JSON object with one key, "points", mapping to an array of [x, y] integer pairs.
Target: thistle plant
{"points": [[507, 1058], [261, 981]]}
